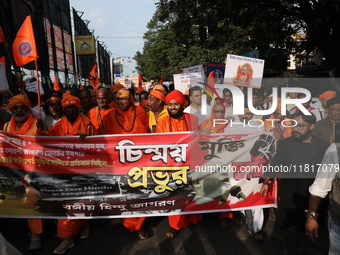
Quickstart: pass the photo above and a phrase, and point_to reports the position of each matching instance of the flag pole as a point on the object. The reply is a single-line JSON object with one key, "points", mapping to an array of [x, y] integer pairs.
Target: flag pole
{"points": [[38, 87]]}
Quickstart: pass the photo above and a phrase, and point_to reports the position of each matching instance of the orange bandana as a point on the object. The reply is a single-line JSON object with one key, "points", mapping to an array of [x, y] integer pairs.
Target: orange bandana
{"points": [[68, 99]]}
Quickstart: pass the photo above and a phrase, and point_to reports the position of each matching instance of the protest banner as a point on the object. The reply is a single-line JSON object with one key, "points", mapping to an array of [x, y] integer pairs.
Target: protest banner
{"points": [[184, 81], [129, 176], [243, 71]]}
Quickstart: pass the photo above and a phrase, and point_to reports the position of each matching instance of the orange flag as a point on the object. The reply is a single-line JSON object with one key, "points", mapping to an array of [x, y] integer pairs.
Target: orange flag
{"points": [[94, 80], [140, 82], [211, 79], [161, 80], [24, 48], [2, 37], [56, 83]]}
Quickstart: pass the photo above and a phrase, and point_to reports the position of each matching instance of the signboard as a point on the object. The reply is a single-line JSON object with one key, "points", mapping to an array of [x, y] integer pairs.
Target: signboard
{"points": [[243, 71], [184, 81], [85, 45], [32, 86]]}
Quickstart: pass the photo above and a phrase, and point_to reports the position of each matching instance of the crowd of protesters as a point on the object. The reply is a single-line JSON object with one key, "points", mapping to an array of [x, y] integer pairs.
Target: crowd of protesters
{"points": [[118, 110]]}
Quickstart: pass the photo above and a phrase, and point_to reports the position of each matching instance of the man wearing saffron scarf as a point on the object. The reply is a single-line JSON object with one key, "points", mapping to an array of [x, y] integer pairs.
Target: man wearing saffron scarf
{"points": [[23, 123], [157, 106], [73, 123], [126, 118], [113, 93], [98, 113], [178, 121], [216, 123]]}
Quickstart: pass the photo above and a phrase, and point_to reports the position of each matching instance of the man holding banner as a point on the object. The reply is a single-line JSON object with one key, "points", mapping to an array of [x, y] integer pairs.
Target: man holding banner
{"points": [[178, 121], [23, 123]]}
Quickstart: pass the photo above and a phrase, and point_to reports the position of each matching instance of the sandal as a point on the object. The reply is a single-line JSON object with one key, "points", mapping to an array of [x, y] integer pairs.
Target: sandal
{"points": [[224, 222], [142, 234], [258, 235], [171, 233]]}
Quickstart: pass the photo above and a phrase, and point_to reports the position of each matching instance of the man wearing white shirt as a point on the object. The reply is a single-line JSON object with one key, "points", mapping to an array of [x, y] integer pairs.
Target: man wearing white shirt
{"points": [[327, 181], [195, 107]]}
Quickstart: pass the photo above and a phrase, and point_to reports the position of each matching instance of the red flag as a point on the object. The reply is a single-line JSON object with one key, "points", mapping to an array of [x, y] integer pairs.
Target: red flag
{"points": [[140, 82], [94, 80], [56, 83], [24, 48], [161, 80], [2, 37]]}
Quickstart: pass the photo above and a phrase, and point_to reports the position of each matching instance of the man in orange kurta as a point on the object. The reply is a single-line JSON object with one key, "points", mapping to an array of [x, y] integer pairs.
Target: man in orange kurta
{"points": [[23, 123], [73, 123], [178, 121], [157, 106], [98, 113], [128, 119]]}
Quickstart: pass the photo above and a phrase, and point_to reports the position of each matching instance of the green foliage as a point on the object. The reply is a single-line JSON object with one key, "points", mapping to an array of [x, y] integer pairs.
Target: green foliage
{"points": [[184, 33]]}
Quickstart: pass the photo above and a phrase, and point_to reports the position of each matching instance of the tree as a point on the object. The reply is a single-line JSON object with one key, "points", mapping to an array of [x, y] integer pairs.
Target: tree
{"points": [[200, 31]]}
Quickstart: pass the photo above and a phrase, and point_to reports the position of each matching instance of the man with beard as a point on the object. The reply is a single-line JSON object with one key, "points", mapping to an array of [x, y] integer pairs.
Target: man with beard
{"points": [[72, 124], [23, 123], [324, 128], [98, 113], [127, 118], [299, 150], [178, 121]]}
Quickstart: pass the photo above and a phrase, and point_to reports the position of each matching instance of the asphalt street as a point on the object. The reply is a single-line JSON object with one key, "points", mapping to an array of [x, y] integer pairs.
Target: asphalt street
{"points": [[108, 236]]}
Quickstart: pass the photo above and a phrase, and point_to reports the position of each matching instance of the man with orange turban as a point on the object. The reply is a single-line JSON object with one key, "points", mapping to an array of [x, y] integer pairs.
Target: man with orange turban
{"points": [[127, 118], [98, 113], [73, 123], [321, 112], [113, 92], [23, 123], [178, 121], [157, 106]]}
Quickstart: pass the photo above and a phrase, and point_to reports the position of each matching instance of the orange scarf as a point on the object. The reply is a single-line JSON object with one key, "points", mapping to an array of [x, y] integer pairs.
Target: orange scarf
{"points": [[79, 126], [12, 126]]}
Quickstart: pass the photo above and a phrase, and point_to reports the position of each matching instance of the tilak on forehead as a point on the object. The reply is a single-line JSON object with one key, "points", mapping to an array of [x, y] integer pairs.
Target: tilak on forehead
{"points": [[123, 93]]}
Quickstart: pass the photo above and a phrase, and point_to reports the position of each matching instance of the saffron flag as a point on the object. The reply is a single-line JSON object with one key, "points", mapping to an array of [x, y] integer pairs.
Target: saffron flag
{"points": [[94, 80], [140, 82], [2, 37], [161, 80], [56, 83], [24, 48]]}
